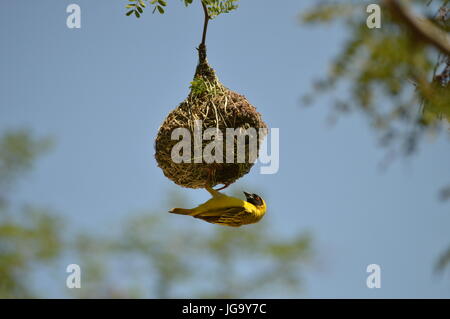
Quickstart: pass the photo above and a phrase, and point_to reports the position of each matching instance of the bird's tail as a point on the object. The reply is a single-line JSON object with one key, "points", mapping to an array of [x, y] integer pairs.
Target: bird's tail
{"points": [[181, 211]]}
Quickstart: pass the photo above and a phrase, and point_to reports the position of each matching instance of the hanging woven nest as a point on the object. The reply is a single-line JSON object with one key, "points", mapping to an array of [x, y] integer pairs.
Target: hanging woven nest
{"points": [[217, 107]]}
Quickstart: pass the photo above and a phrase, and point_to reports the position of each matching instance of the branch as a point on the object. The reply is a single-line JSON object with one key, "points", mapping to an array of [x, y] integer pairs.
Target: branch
{"points": [[202, 46], [205, 25], [421, 27]]}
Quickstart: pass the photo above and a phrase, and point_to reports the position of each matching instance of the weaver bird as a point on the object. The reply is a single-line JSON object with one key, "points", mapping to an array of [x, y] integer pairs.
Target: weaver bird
{"points": [[226, 210]]}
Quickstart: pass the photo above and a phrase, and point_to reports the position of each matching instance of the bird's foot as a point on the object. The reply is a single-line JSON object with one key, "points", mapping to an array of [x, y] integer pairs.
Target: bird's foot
{"points": [[223, 187]]}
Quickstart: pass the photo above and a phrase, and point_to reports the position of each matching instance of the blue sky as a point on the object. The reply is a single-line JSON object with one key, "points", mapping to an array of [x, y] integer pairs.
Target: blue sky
{"points": [[103, 90]]}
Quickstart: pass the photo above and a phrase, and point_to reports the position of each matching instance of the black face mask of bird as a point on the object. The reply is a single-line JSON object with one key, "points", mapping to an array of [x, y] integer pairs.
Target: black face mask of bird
{"points": [[253, 199]]}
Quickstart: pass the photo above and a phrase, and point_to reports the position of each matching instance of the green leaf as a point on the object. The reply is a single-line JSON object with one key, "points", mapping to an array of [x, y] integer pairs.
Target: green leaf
{"points": [[160, 9], [129, 12], [140, 9], [137, 14]]}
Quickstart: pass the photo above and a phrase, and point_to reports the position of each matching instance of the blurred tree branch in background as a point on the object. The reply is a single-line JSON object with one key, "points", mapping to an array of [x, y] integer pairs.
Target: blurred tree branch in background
{"points": [[18, 151], [158, 259], [420, 27], [443, 261], [394, 75], [149, 255], [397, 75], [28, 237]]}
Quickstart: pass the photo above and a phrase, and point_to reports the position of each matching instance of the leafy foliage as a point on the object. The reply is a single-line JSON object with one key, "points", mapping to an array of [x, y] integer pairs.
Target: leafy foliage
{"points": [[137, 6], [169, 261], [215, 7], [400, 81], [198, 86], [18, 150], [150, 255], [443, 261], [27, 239], [387, 73], [30, 236]]}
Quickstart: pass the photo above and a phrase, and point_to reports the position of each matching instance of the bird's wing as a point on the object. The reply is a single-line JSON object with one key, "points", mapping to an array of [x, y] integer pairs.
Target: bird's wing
{"points": [[217, 205], [232, 216], [222, 211]]}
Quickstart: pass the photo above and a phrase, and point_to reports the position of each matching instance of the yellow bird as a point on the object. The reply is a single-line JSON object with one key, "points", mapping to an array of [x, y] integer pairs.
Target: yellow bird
{"points": [[226, 210]]}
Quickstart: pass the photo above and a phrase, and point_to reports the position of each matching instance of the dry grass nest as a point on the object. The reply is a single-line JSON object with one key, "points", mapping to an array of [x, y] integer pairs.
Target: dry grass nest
{"points": [[217, 107]]}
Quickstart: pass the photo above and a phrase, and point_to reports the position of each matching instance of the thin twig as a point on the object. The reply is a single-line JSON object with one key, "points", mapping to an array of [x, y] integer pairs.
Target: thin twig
{"points": [[421, 27], [205, 25]]}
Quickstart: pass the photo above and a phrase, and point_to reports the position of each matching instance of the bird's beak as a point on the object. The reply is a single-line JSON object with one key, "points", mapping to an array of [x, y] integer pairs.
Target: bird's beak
{"points": [[248, 195]]}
